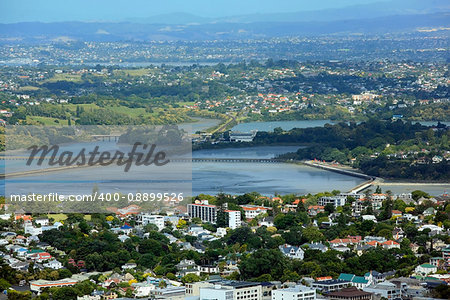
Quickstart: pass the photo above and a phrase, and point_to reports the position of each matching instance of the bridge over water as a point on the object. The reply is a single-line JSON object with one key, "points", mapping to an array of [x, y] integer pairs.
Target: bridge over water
{"points": [[176, 160], [193, 159]]}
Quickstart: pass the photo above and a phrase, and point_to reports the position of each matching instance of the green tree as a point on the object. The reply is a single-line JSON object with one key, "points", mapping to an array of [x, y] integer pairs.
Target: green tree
{"points": [[189, 278], [16, 295], [313, 234], [4, 284]]}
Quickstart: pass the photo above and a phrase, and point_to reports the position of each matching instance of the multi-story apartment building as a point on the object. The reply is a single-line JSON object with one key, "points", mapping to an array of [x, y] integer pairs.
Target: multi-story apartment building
{"points": [[203, 210], [234, 218], [208, 213], [335, 200], [146, 218]]}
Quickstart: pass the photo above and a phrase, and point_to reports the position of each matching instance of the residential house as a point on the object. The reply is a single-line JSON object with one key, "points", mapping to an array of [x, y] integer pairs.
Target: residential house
{"points": [[396, 213], [345, 241], [210, 269], [142, 289], [425, 269], [356, 281], [294, 252], [129, 266], [126, 229], [369, 218], [267, 221], [398, 233], [391, 245], [41, 257], [316, 246], [53, 264], [42, 221], [429, 212], [313, 210], [437, 261], [252, 211]]}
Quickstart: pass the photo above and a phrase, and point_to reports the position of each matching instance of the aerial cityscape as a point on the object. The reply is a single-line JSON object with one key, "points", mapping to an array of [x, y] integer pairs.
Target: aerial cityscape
{"points": [[264, 150]]}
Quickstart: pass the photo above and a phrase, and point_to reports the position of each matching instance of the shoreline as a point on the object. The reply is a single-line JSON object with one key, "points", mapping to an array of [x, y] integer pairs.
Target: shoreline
{"points": [[370, 180]]}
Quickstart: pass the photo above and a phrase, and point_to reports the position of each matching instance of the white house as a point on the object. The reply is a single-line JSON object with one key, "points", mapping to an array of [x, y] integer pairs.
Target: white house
{"points": [[425, 269], [53, 264], [42, 222], [33, 230], [129, 266], [221, 232], [251, 211], [294, 252], [433, 228], [123, 237], [369, 218]]}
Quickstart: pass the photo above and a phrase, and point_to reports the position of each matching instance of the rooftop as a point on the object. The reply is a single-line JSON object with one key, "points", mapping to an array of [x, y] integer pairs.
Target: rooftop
{"points": [[349, 292]]}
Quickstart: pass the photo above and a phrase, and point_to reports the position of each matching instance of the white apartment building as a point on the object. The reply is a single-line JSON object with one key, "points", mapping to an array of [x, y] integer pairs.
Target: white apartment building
{"points": [[335, 200], [146, 218], [299, 292], [234, 218]]}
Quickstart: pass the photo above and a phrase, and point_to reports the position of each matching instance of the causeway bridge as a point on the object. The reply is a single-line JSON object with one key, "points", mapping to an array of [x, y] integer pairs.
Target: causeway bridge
{"points": [[369, 180], [231, 160], [176, 160], [188, 160]]}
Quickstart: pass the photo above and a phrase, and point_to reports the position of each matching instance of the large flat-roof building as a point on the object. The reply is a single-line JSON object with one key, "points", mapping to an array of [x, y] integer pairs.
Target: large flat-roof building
{"points": [[231, 290], [299, 292], [351, 293], [326, 286]]}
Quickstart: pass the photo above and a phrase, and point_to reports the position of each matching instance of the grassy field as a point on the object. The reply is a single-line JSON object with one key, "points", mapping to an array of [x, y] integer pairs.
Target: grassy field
{"points": [[133, 112], [133, 72], [65, 77], [35, 120], [62, 217], [73, 107], [28, 88]]}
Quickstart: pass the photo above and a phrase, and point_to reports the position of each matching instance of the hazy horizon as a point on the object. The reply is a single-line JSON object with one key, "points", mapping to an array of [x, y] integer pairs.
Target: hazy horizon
{"points": [[119, 10]]}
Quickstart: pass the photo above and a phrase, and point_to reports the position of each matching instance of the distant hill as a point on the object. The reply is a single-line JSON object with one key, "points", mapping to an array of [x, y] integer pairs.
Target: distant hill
{"points": [[382, 8], [92, 31], [355, 12]]}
